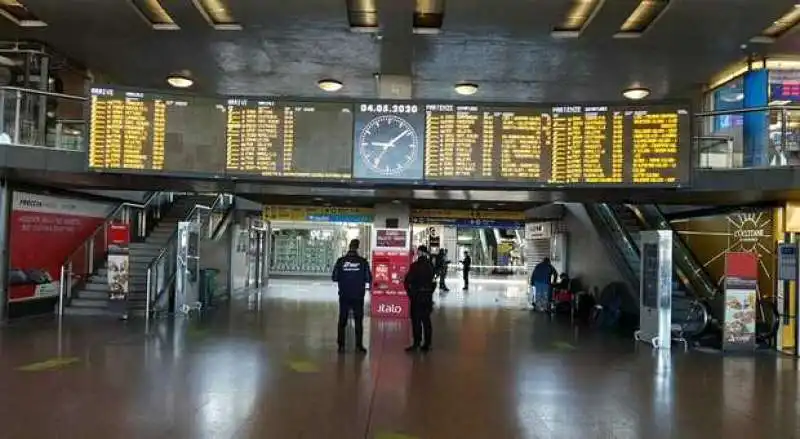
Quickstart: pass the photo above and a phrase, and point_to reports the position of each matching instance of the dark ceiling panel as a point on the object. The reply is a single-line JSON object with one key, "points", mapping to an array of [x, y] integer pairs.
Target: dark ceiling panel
{"points": [[504, 45]]}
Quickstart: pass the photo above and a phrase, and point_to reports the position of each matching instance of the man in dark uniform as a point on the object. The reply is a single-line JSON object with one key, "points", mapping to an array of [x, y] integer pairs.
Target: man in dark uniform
{"points": [[419, 284], [352, 274], [466, 265]]}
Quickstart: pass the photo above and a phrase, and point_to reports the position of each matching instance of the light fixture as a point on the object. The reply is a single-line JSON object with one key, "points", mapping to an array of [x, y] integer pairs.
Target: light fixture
{"points": [[330, 85], [779, 27], [217, 14], [17, 13], [636, 93], [642, 18], [577, 19], [363, 16], [154, 14], [180, 80], [466, 88]]}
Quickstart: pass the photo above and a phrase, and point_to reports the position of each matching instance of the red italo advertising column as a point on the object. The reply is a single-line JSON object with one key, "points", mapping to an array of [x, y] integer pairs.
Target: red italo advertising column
{"points": [[390, 261]]}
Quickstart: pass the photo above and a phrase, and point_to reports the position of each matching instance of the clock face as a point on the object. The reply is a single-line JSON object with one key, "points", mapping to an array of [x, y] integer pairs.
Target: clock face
{"points": [[388, 146]]}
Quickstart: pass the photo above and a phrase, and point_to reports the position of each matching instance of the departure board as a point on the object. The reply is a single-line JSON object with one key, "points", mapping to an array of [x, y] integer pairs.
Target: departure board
{"points": [[393, 142], [303, 140], [136, 131], [559, 145]]}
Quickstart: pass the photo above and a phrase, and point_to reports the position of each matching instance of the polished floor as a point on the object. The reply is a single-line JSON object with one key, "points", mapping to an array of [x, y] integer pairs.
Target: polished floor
{"points": [[266, 368]]}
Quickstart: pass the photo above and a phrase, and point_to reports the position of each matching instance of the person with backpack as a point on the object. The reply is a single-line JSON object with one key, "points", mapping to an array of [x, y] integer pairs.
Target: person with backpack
{"points": [[543, 277]]}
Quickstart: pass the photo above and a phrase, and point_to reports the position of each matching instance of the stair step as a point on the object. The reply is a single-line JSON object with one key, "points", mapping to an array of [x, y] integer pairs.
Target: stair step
{"points": [[96, 286], [81, 302], [92, 295]]}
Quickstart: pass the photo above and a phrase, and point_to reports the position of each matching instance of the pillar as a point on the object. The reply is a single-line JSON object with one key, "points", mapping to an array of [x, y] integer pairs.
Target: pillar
{"points": [[6, 196]]}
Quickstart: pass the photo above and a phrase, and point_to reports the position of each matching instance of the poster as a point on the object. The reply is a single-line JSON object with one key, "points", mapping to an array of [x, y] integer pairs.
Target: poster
{"points": [[741, 292], [118, 276], [388, 297], [391, 238], [44, 232], [740, 317]]}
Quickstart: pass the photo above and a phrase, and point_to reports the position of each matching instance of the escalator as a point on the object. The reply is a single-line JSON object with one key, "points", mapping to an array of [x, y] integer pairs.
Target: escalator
{"points": [[620, 226]]}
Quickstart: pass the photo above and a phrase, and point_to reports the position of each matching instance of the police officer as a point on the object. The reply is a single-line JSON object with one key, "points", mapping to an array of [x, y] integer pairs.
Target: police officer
{"points": [[352, 274], [419, 284]]}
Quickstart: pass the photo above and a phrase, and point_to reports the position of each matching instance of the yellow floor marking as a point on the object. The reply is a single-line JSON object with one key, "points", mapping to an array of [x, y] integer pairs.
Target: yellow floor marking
{"points": [[303, 366], [51, 364], [562, 345], [394, 436]]}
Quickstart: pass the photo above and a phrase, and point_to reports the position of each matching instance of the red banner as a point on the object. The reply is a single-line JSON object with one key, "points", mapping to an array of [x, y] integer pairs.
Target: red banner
{"points": [[44, 231], [119, 236], [388, 297]]}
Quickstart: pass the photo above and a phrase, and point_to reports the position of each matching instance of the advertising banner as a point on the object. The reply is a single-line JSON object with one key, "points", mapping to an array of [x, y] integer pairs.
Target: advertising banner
{"points": [[118, 276], [391, 238], [44, 231], [388, 297], [119, 239], [741, 294], [328, 214]]}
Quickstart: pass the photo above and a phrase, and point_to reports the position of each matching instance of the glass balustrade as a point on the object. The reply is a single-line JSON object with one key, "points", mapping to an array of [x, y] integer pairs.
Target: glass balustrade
{"points": [[36, 118]]}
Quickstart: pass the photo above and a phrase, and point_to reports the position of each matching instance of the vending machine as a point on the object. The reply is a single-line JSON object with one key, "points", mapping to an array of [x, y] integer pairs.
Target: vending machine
{"points": [[391, 259]]}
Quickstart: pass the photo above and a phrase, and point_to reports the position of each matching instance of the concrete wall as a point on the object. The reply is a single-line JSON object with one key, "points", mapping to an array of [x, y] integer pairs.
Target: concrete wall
{"points": [[587, 257], [400, 211]]}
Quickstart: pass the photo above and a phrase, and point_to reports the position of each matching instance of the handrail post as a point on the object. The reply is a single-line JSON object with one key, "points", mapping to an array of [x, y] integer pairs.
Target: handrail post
{"points": [[17, 111], [148, 293], [62, 290], [784, 121], [90, 265], [2, 111]]}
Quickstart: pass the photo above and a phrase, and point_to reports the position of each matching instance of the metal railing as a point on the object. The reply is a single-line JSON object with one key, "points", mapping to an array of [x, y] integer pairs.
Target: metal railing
{"points": [[36, 118], [720, 143], [82, 262], [163, 269]]}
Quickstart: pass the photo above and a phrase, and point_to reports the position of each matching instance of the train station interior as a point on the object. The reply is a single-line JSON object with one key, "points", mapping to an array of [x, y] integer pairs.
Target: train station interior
{"points": [[597, 202]]}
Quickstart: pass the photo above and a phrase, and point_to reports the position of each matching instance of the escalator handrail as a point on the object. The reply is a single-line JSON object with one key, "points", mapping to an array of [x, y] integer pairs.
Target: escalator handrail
{"points": [[650, 214], [596, 214]]}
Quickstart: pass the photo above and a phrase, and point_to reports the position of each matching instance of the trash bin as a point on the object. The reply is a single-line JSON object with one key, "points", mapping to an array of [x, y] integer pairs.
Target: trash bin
{"points": [[208, 286]]}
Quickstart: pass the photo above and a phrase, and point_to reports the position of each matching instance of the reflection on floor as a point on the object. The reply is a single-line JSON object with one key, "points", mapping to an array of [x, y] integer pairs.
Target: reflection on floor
{"points": [[483, 292], [266, 368]]}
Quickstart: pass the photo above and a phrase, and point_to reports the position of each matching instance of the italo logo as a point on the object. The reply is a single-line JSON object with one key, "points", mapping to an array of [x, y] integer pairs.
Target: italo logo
{"points": [[390, 309]]}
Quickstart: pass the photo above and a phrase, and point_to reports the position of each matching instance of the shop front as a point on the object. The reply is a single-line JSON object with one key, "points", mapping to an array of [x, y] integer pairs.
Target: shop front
{"points": [[494, 239], [307, 240], [754, 118]]}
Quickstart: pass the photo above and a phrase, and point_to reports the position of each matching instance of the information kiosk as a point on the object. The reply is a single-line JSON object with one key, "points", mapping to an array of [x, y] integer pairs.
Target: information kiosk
{"points": [[655, 299]]}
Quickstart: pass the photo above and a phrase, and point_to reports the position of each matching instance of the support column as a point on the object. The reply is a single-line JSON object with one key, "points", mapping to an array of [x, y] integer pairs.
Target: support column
{"points": [[6, 196]]}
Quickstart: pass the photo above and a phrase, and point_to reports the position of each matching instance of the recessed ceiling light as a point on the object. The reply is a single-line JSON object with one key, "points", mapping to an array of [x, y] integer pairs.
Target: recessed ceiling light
{"points": [[636, 93], [180, 80], [466, 88], [330, 85]]}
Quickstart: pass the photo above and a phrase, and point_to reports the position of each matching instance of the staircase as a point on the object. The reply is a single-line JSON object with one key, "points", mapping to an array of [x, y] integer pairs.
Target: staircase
{"points": [[92, 297]]}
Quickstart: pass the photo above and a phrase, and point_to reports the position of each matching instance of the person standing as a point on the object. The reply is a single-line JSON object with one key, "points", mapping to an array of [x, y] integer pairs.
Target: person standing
{"points": [[352, 274], [543, 277], [466, 264], [419, 284], [441, 269]]}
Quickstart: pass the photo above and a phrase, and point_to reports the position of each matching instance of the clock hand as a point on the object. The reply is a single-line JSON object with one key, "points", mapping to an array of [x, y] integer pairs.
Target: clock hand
{"points": [[400, 136], [383, 144], [381, 154]]}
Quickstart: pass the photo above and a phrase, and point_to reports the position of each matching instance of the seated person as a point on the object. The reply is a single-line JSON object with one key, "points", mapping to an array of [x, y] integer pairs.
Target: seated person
{"points": [[563, 282]]}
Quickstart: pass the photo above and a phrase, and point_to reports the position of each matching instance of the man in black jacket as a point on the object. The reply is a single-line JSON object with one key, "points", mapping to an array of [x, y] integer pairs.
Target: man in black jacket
{"points": [[466, 265], [419, 284], [352, 274]]}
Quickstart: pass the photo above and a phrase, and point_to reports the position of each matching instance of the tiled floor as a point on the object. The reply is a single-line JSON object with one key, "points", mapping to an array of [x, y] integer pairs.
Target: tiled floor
{"points": [[267, 369]]}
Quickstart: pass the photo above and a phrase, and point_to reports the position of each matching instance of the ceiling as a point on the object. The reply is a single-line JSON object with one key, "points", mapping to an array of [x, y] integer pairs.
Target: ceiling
{"points": [[504, 46]]}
